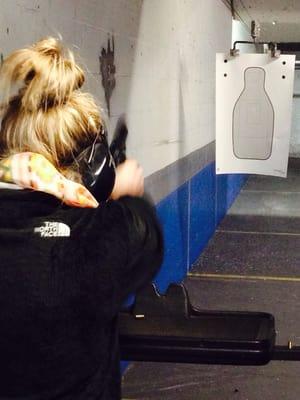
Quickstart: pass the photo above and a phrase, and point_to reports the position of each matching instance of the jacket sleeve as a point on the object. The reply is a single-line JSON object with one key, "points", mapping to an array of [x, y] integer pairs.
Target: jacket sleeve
{"points": [[145, 244], [124, 241]]}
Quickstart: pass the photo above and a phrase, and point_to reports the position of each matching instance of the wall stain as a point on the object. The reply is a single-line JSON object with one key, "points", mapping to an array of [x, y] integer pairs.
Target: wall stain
{"points": [[108, 70]]}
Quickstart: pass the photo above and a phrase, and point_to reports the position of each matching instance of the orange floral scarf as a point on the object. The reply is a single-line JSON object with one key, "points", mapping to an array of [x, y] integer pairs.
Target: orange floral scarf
{"points": [[33, 171]]}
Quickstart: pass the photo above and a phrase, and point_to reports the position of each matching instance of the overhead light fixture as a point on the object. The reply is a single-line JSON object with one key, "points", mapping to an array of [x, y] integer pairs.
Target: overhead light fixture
{"points": [[274, 22]]}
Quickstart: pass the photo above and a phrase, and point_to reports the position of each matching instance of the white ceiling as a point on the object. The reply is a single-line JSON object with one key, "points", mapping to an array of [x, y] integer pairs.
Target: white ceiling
{"points": [[279, 19]]}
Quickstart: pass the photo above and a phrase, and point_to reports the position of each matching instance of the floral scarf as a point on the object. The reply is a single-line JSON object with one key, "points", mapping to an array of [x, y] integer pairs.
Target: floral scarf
{"points": [[33, 171]]}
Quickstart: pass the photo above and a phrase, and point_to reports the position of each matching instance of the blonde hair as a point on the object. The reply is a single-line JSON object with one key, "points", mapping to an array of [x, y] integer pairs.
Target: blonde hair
{"points": [[42, 108]]}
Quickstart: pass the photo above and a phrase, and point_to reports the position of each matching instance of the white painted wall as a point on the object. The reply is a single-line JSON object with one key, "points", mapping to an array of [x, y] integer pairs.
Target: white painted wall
{"points": [[165, 61]]}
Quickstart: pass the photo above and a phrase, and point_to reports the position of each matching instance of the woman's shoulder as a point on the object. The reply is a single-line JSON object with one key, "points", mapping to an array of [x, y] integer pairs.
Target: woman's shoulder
{"points": [[127, 218]]}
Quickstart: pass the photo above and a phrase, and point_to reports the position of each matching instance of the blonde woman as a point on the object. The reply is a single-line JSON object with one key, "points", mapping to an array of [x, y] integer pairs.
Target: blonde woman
{"points": [[68, 260]]}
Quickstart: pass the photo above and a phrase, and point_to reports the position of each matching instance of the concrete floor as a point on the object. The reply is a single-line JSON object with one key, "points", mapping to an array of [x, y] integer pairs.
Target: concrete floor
{"points": [[252, 263]]}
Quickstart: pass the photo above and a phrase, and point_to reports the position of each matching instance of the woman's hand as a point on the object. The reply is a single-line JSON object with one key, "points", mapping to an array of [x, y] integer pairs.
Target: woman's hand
{"points": [[129, 180]]}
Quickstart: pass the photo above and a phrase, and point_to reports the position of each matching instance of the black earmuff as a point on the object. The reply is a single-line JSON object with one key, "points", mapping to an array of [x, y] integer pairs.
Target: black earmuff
{"points": [[97, 168], [98, 161]]}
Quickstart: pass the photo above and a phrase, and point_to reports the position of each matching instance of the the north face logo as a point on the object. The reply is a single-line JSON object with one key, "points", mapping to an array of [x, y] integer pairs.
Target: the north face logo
{"points": [[53, 229]]}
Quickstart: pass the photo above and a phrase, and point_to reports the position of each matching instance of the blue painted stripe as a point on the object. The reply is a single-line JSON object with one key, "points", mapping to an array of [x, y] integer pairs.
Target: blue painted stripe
{"points": [[173, 213], [189, 217], [202, 211]]}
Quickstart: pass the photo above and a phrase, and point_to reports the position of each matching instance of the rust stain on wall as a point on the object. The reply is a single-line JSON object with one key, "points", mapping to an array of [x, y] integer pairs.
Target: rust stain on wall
{"points": [[108, 70]]}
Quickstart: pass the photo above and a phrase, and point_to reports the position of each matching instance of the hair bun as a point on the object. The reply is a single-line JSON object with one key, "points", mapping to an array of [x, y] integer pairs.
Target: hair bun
{"points": [[49, 47], [46, 72]]}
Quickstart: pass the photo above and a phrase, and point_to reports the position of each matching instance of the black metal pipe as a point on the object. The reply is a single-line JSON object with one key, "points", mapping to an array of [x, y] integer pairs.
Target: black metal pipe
{"points": [[197, 355], [270, 44], [286, 353], [232, 9], [289, 46], [282, 46]]}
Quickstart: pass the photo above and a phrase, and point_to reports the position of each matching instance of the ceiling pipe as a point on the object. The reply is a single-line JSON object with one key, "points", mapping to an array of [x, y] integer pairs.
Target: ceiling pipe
{"points": [[232, 9]]}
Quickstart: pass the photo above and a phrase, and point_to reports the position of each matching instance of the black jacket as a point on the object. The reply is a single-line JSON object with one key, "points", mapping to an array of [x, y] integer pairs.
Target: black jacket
{"points": [[64, 273]]}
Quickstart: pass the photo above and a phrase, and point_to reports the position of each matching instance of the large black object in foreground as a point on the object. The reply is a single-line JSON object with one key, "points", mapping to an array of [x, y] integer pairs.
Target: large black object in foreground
{"points": [[168, 329]]}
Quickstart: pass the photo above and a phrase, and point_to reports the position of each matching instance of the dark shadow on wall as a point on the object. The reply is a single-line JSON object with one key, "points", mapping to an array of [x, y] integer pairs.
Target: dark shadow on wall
{"points": [[108, 70], [116, 58]]}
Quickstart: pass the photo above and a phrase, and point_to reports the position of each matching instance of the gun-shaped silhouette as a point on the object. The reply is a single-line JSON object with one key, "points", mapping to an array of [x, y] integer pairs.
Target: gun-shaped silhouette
{"points": [[118, 144]]}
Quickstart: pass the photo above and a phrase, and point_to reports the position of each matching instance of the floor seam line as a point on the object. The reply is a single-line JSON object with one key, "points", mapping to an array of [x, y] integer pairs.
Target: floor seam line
{"points": [[259, 233], [243, 277]]}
